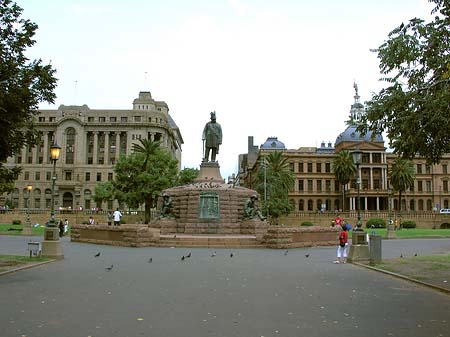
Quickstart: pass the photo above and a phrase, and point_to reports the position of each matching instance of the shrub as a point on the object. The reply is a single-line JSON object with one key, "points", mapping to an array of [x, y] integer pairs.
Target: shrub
{"points": [[408, 224], [16, 222], [307, 223], [376, 223]]}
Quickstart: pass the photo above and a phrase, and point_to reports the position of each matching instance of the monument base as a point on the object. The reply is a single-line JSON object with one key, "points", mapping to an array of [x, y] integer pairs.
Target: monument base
{"points": [[390, 233], [359, 253], [52, 249], [209, 171]]}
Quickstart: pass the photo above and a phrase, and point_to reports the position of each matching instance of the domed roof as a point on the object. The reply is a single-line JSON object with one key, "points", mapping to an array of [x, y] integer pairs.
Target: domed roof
{"points": [[272, 143], [351, 135]]}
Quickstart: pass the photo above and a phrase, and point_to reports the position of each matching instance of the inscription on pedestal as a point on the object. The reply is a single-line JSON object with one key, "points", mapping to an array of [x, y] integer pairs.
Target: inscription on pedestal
{"points": [[208, 206]]}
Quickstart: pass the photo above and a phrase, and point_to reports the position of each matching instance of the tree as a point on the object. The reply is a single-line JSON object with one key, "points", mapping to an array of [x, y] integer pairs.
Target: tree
{"points": [[275, 179], [187, 176], [23, 85], [147, 147], [140, 178], [402, 177], [344, 169], [414, 109], [103, 192]]}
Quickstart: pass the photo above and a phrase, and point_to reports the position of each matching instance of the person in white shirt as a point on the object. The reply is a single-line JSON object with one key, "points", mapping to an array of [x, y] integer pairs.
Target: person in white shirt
{"points": [[117, 215]]}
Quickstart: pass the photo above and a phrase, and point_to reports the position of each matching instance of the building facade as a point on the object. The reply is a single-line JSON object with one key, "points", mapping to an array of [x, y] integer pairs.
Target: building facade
{"points": [[91, 142], [317, 190]]}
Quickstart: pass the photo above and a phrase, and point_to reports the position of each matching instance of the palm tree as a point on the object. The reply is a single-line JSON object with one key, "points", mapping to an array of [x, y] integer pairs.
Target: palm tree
{"points": [[344, 169], [147, 147], [277, 179], [402, 175]]}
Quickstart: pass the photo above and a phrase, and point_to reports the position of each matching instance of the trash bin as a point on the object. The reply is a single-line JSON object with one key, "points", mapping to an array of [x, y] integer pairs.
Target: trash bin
{"points": [[374, 249], [34, 248]]}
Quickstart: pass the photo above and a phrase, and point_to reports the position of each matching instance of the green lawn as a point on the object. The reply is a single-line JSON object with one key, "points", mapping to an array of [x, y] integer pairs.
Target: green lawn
{"points": [[5, 229], [8, 262], [413, 232]]}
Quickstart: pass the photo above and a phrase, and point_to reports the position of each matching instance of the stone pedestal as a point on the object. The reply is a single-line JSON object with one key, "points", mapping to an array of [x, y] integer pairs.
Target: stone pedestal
{"points": [[359, 250], [168, 225], [390, 233], [209, 171], [255, 227], [51, 246]]}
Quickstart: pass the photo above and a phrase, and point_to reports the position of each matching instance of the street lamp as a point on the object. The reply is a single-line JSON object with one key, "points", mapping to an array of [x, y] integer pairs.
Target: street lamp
{"points": [[357, 161], [55, 151], [51, 246], [29, 188]]}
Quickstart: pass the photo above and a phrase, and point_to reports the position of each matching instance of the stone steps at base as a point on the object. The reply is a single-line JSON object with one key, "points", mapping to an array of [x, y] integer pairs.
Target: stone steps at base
{"points": [[213, 242]]}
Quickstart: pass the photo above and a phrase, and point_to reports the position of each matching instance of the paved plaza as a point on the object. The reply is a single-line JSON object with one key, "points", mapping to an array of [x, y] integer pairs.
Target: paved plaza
{"points": [[257, 292]]}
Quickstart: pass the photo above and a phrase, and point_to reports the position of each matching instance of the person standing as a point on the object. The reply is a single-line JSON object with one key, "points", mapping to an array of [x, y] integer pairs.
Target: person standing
{"points": [[110, 218], [342, 251], [212, 137], [66, 226], [117, 215]]}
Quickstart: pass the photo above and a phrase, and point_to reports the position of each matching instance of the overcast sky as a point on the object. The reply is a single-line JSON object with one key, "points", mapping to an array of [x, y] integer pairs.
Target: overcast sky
{"points": [[281, 68]]}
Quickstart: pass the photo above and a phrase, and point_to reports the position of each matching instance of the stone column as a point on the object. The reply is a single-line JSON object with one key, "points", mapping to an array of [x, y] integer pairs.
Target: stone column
{"points": [[46, 156], [371, 179], [106, 156], [95, 148], [117, 145]]}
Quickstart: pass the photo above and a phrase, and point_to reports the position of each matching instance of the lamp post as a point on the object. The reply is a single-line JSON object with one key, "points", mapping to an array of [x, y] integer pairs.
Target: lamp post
{"points": [[29, 188], [390, 233], [27, 229], [51, 246], [357, 161]]}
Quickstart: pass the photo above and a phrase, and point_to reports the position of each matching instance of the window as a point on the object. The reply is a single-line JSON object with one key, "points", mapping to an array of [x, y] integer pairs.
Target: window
{"points": [[90, 160], [319, 167], [102, 119], [420, 186], [41, 119], [113, 119], [40, 160], [445, 185], [37, 175], [365, 184], [48, 176], [419, 168], [91, 119], [327, 167], [328, 185], [300, 167], [444, 168], [310, 167], [301, 205], [376, 184], [301, 188], [365, 158], [319, 185], [110, 176], [26, 175], [99, 176], [427, 169], [87, 176], [310, 185], [137, 118], [30, 160], [428, 185], [70, 145], [68, 175], [292, 167], [337, 186], [52, 119], [124, 119], [376, 158]]}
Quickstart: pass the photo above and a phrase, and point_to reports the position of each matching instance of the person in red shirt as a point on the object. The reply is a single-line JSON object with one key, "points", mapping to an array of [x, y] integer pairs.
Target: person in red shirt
{"points": [[342, 250]]}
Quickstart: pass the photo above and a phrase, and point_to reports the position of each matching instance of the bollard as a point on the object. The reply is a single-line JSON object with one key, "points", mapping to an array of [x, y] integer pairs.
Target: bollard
{"points": [[374, 249]]}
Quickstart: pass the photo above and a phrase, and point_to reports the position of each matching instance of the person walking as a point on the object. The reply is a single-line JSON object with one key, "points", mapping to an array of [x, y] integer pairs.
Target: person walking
{"points": [[117, 215], [342, 251]]}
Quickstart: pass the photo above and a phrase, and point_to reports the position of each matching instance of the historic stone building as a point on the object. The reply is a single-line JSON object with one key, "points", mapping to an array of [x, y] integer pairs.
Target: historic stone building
{"points": [[316, 188], [91, 140]]}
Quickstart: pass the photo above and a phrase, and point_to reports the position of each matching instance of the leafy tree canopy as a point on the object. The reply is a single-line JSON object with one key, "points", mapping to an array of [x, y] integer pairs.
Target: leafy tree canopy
{"points": [[414, 108], [187, 176], [24, 84], [275, 179], [136, 185]]}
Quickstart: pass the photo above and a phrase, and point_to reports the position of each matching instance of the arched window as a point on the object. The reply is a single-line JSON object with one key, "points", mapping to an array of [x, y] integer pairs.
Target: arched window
{"points": [[429, 205], [301, 205], [420, 205], [411, 205], [310, 205], [337, 205], [37, 198], [70, 145]]}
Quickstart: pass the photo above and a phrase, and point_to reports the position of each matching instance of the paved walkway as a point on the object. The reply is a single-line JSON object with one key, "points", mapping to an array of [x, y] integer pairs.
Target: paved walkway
{"points": [[257, 292]]}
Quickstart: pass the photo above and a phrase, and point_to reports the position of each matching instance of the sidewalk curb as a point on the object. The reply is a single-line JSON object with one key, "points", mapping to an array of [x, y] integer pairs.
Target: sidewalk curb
{"points": [[429, 285], [26, 267]]}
